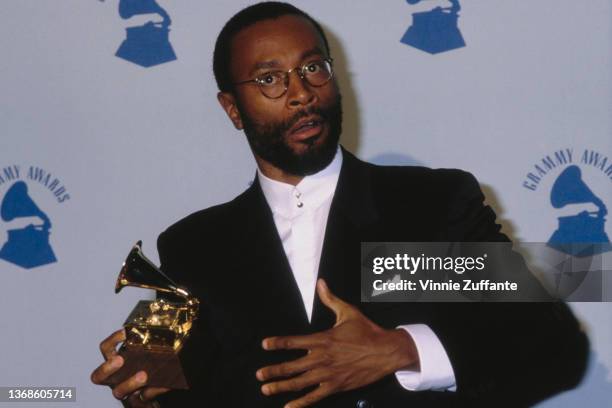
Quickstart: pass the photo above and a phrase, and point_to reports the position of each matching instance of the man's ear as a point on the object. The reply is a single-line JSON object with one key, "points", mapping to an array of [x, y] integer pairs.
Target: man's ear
{"points": [[228, 103]]}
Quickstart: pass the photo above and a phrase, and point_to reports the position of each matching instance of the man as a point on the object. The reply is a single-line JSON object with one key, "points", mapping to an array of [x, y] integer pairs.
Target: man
{"points": [[269, 333]]}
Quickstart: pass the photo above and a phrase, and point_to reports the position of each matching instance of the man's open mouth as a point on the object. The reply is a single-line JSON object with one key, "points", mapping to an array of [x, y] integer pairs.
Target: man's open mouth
{"points": [[306, 128]]}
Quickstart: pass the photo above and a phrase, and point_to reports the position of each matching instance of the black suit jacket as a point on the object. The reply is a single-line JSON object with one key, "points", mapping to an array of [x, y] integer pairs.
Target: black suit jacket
{"points": [[230, 256]]}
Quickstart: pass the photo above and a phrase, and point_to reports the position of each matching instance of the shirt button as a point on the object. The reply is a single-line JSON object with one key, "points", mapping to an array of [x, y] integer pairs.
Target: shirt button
{"points": [[364, 404], [300, 204]]}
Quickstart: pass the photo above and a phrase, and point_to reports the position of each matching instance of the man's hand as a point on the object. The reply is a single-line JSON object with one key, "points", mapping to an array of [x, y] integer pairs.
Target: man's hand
{"points": [[354, 353], [134, 389]]}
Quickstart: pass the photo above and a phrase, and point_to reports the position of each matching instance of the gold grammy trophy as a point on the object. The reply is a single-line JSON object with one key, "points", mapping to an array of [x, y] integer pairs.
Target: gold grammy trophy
{"points": [[156, 330]]}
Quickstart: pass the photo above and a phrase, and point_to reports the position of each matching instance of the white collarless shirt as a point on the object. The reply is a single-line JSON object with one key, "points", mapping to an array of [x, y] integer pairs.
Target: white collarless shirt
{"points": [[300, 215]]}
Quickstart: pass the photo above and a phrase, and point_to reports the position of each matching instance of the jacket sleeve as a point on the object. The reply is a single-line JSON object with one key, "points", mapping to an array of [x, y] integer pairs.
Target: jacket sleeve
{"points": [[503, 354], [520, 353], [198, 356]]}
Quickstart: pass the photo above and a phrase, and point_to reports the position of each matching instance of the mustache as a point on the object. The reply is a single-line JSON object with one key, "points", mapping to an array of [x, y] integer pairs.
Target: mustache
{"points": [[312, 111]]}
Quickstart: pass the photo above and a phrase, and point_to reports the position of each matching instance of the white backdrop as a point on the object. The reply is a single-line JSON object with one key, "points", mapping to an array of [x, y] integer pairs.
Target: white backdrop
{"points": [[137, 148]]}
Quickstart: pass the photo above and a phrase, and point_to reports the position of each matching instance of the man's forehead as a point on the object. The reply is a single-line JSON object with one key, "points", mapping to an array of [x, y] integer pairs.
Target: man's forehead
{"points": [[285, 37]]}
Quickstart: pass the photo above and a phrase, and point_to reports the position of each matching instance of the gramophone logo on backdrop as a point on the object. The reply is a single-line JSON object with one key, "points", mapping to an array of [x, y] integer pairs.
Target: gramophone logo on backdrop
{"points": [[146, 45], [25, 226], [434, 26], [576, 199]]}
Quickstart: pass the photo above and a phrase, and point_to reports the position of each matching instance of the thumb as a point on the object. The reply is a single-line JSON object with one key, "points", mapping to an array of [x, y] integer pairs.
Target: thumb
{"points": [[329, 299]]}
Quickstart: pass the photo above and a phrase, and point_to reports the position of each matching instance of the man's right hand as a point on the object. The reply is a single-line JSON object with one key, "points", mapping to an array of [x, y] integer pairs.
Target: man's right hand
{"points": [[134, 390]]}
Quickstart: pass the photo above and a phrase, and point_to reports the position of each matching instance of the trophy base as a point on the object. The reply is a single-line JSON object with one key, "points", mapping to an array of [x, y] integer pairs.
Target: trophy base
{"points": [[163, 368]]}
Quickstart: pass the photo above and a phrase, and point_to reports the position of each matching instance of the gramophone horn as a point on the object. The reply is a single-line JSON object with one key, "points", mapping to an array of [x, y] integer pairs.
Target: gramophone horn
{"points": [[130, 8], [570, 189], [17, 203], [140, 272]]}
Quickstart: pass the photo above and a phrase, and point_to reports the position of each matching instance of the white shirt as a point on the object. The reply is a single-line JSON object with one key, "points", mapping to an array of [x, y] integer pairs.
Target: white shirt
{"points": [[300, 214]]}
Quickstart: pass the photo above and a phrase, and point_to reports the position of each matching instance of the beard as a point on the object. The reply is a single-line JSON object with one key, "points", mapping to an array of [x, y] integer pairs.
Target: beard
{"points": [[268, 141]]}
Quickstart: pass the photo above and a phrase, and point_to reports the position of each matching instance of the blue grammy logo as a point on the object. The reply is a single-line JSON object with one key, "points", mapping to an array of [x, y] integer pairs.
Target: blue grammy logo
{"points": [[27, 247], [147, 45], [580, 231], [435, 31], [25, 228], [584, 227]]}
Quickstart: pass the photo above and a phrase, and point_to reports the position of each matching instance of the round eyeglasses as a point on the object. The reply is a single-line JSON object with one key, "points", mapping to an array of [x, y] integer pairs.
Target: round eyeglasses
{"points": [[274, 84]]}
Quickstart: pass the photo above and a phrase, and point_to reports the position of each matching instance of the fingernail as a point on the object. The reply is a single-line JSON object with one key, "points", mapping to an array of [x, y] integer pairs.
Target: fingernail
{"points": [[259, 375], [265, 389], [264, 344], [141, 376], [116, 362]]}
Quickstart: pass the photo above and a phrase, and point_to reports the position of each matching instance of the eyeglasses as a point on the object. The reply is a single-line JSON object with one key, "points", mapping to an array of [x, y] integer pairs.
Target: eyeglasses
{"points": [[274, 84]]}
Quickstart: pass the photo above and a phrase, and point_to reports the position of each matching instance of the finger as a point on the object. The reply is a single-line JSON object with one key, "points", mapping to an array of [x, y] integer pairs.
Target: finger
{"points": [[294, 384], [294, 342], [286, 369], [106, 369], [108, 347], [130, 385], [135, 401], [150, 393], [142, 398], [337, 305], [318, 394]]}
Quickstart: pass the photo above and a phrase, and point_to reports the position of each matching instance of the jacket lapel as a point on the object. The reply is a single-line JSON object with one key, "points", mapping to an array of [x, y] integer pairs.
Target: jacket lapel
{"points": [[271, 280], [351, 218]]}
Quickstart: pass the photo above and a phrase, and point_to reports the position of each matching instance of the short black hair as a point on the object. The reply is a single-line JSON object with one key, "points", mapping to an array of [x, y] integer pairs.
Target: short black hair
{"points": [[244, 18]]}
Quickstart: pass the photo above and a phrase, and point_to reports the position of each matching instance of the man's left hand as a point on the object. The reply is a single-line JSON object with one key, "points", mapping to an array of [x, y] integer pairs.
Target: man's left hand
{"points": [[354, 353]]}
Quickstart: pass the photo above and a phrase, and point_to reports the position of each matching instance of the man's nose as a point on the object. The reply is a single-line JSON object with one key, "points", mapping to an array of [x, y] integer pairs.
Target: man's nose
{"points": [[299, 92]]}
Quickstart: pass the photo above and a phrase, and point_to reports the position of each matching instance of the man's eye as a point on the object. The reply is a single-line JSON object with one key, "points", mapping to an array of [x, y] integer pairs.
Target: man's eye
{"points": [[268, 79], [314, 67]]}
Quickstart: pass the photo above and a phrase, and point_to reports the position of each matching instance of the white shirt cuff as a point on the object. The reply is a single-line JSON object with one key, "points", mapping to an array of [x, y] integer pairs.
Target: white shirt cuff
{"points": [[436, 370]]}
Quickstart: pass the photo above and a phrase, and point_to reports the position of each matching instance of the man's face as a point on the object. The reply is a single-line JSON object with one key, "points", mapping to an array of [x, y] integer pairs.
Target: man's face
{"points": [[297, 133]]}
